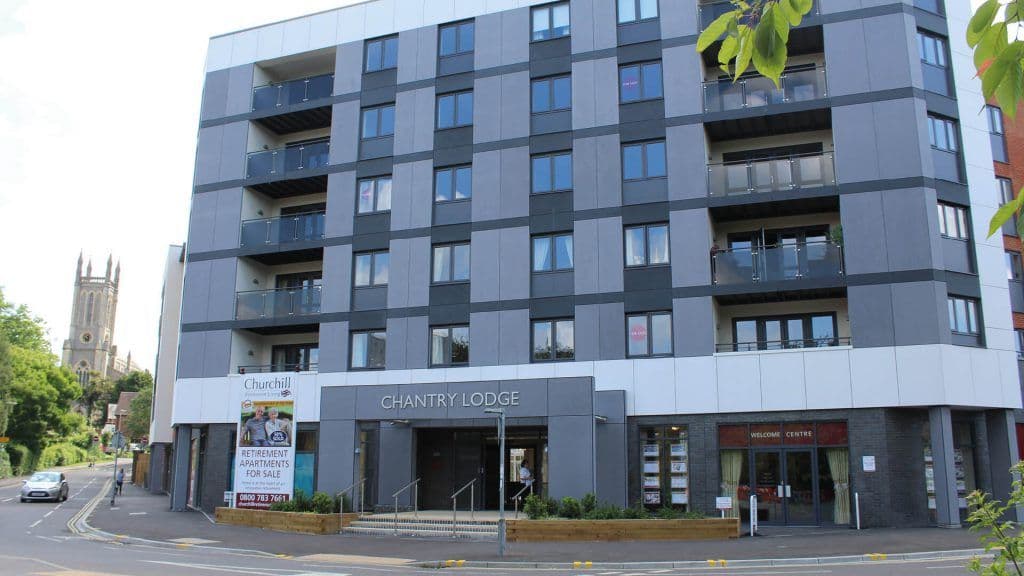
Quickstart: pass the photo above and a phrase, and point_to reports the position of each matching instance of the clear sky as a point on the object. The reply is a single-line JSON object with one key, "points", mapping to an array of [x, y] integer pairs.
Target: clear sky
{"points": [[99, 109]]}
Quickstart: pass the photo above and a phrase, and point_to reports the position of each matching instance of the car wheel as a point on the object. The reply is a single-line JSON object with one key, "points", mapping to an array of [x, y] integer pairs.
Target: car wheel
{"points": [[22, 500], [64, 497]]}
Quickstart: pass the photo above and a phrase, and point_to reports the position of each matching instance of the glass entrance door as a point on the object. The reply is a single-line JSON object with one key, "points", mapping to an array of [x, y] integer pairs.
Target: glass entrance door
{"points": [[785, 487], [800, 499], [767, 480]]}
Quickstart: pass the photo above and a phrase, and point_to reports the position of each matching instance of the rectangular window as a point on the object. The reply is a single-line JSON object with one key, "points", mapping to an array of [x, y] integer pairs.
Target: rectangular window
{"points": [[449, 346], [1013, 266], [554, 340], [455, 110], [453, 184], [640, 82], [551, 173], [374, 195], [368, 349], [451, 263], [550, 21], [1005, 190], [963, 315], [953, 221], [1019, 342], [379, 121], [551, 94], [942, 134], [649, 334], [641, 161], [552, 253], [780, 332], [995, 119], [371, 269], [456, 39], [931, 49], [637, 10], [381, 54], [647, 245]]}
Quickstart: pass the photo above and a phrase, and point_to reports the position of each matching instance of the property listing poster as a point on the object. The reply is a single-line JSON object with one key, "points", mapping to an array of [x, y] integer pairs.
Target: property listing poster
{"points": [[265, 454]]}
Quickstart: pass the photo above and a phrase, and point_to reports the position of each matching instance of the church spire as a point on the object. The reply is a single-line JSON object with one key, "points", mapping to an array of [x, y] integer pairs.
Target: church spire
{"points": [[78, 271], [117, 274], [88, 269], [110, 262]]}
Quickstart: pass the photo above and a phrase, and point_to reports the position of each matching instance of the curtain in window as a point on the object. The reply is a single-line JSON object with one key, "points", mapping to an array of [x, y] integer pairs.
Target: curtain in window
{"points": [[839, 466], [732, 466]]}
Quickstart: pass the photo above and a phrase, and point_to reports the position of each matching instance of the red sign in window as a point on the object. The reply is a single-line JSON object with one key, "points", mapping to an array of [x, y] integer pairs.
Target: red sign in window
{"points": [[638, 333], [832, 434], [733, 436]]}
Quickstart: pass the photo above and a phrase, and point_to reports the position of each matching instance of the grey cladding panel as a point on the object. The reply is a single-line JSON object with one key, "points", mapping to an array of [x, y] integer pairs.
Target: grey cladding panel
{"points": [[337, 279], [693, 326], [341, 204], [485, 336], [334, 338], [348, 68], [689, 236]]}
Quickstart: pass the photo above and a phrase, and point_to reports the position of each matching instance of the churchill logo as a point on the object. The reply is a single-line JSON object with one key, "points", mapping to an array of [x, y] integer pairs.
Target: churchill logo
{"points": [[286, 393]]}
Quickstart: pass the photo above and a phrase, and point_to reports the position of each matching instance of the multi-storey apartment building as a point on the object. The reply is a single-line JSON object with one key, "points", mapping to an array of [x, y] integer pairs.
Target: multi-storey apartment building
{"points": [[678, 287]]}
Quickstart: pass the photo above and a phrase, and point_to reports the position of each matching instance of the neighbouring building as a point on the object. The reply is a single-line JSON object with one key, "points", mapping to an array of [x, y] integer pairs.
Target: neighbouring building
{"points": [[678, 287], [161, 433], [90, 347]]}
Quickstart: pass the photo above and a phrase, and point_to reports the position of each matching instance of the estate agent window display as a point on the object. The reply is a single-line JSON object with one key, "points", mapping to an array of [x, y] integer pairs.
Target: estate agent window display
{"points": [[665, 475]]}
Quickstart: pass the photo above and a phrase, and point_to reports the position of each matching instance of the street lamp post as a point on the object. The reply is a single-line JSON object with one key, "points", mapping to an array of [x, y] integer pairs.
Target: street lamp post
{"points": [[118, 439], [501, 477]]}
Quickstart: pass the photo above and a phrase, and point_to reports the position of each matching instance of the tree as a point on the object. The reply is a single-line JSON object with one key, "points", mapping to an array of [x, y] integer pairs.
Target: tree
{"points": [[754, 33], [95, 394], [137, 422], [21, 328], [989, 517], [43, 392], [5, 381], [131, 382]]}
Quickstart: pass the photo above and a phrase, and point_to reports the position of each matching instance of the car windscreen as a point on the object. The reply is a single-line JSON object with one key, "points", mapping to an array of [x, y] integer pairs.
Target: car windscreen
{"points": [[44, 477]]}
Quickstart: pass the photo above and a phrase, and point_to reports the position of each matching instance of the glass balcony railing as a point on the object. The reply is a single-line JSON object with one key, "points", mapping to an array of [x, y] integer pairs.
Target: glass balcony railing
{"points": [[771, 174], [753, 91], [274, 96], [819, 342], [711, 10], [280, 303], [288, 159], [777, 263], [261, 368], [282, 230]]}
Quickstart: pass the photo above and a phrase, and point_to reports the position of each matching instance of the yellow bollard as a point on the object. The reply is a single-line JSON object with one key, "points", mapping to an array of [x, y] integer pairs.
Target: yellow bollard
{"points": [[449, 563], [576, 564], [588, 564], [460, 563], [721, 563], [711, 563]]}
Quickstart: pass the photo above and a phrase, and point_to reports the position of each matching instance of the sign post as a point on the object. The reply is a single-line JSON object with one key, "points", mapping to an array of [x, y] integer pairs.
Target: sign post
{"points": [[501, 478], [723, 503], [265, 454]]}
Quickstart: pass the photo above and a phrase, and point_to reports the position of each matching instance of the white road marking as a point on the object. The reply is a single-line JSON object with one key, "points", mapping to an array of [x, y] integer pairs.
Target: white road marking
{"points": [[36, 523], [9, 499], [137, 513], [47, 514]]}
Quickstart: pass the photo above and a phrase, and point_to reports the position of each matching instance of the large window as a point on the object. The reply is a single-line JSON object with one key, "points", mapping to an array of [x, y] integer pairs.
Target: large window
{"points": [[647, 245], [636, 10], [371, 269], [294, 357], [553, 340], [368, 349], [381, 54], [932, 49], [963, 315], [641, 161], [551, 173], [455, 110], [780, 332], [1005, 190], [453, 184], [449, 345], [942, 134], [552, 252], [995, 119], [551, 94], [953, 222], [456, 39], [374, 195], [451, 263], [1013, 266], [379, 121], [550, 21], [649, 334], [640, 82]]}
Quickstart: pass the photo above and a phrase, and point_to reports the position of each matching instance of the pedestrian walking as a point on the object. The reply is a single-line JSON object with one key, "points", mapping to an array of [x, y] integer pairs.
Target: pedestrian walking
{"points": [[120, 480]]}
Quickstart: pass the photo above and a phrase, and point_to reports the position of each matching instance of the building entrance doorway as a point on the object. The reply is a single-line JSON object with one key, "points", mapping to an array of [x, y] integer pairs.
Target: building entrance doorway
{"points": [[786, 487], [448, 459]]}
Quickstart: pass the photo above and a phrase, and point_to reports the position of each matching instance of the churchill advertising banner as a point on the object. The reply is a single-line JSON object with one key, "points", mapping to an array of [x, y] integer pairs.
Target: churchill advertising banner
{"points": [[265, 455]]}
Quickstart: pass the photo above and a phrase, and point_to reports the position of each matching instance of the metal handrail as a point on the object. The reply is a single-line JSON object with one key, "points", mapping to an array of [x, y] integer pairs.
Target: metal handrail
{"points": [[296, 215], [415, 484], [348, 490], [516, 498], [766, 158], [284, 367], [472, 505], [804, 343]]}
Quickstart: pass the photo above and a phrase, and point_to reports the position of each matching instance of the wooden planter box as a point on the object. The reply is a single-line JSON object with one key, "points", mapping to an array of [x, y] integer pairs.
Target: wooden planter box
{"points": [[613, 530], [298, 522]]}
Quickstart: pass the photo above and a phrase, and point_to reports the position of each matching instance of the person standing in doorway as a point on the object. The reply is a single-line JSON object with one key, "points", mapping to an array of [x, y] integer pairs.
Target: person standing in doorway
{"points": [[526, 475], [120, 480]]}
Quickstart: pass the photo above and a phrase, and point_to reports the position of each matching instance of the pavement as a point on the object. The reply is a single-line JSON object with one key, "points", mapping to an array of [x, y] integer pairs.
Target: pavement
{"points": [[142, 515]]}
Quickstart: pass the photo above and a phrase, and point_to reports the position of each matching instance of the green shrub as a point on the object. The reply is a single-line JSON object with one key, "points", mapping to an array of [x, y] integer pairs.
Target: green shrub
{"points": [[570, 508], [5, 464], [342, 504], [552, 506], [61, 454], [303, 503], [323, 503], [535, 507], [23, 461], [667, 513], [604, 512], [694, 515], [588, 503], [636, 512], [286, 506]]}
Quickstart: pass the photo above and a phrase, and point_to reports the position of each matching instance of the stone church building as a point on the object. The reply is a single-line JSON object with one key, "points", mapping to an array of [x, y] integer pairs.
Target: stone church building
{"points": [[89, 347]]}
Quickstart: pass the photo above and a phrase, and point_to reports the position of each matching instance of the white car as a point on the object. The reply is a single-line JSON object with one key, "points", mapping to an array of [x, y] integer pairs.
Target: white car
{"points": [[48, 485]]}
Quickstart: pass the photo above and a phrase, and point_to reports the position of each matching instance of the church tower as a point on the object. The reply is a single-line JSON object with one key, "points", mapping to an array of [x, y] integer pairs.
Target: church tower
{"points": [[89, 346]]}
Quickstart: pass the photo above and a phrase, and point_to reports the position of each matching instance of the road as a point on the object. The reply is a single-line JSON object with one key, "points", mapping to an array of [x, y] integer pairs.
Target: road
{"points": [[35, 539]]}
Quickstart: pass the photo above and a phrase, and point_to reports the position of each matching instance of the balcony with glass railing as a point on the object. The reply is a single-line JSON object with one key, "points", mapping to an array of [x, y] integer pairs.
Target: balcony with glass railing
{"points": [[792, 344], [776, 174], [283, 230], [754, 91], [293, 158], [275, 304], [281, 95], [778, 263], [265, 368]]}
